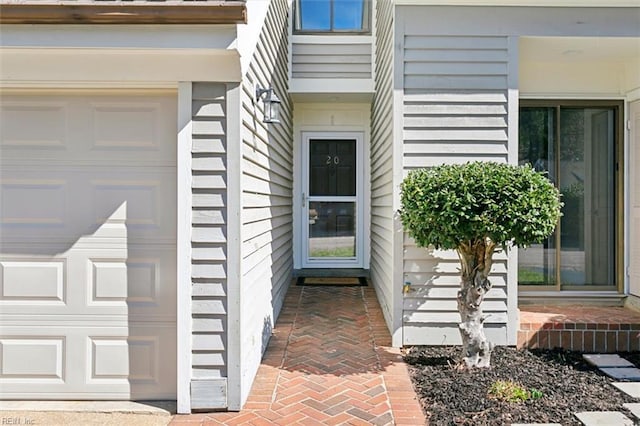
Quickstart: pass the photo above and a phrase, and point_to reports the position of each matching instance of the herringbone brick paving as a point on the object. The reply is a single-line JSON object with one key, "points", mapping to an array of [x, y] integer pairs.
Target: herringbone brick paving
{"points": [[329, 362]]}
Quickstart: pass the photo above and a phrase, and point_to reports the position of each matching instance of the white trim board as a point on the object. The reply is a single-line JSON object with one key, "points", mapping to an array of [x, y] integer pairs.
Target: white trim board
{"points": [[183, 279], [303, 229], [123, 66]]}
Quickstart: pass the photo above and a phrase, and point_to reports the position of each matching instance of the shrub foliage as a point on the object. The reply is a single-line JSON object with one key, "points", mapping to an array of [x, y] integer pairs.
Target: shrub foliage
{"points": [[451, 205]]}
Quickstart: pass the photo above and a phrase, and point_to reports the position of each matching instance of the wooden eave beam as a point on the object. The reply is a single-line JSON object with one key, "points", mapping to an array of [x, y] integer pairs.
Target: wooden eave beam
{"points": [[218, 12]]}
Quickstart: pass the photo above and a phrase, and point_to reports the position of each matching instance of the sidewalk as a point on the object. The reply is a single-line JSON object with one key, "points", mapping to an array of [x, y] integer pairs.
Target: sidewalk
{"points": [[329, 362]]}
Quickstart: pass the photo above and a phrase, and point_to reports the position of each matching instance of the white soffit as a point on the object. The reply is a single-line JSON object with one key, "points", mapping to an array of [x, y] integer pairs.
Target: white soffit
{"points": [[579, 49]]}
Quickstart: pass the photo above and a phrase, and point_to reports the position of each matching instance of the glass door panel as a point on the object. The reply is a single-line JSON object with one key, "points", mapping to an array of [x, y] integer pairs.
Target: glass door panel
{"points": [[332, 230], [537, 263], [575, 147], [587, 183], [332, 236]]}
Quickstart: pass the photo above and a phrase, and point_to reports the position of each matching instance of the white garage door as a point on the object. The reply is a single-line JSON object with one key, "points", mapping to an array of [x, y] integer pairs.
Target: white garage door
{"points": [[87, 256]]}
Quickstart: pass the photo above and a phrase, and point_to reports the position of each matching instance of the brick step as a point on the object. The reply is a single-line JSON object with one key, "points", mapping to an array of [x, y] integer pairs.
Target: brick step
{"points": [[579, 328]]}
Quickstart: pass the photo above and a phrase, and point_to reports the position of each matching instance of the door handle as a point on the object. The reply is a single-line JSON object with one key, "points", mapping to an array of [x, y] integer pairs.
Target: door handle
{"points": [[304, 199]]}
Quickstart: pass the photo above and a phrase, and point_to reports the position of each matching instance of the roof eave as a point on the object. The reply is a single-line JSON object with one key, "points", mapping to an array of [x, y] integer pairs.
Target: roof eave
{"points": [[219, 12]]}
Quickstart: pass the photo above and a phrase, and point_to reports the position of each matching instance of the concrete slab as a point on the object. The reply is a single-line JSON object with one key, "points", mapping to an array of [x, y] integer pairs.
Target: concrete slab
{"points": [[603, 418], [65, 418], [622, 373], [165, 408], [606, 360], [630, 388], [634, 407]]}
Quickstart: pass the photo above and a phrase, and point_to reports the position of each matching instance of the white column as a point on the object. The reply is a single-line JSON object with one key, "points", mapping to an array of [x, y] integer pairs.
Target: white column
{"points": [[183, 279]]}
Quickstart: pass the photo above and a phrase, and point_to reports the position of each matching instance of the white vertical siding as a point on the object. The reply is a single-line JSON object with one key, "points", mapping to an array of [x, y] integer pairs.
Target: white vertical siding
{"points": [[382, 187], [455, 110], [208, 246], [331, 57], [266, 182]]}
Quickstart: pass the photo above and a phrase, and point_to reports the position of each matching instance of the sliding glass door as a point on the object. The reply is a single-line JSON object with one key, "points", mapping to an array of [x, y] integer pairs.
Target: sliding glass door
{"points": [[576, 145]]}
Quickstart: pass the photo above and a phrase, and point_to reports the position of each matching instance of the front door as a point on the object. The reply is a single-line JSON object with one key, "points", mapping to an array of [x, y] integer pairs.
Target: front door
{"points": [[332, 219]]}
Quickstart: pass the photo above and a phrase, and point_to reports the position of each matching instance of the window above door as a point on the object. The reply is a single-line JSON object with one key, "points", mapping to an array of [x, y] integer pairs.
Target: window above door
{"points": [[332, 16]]}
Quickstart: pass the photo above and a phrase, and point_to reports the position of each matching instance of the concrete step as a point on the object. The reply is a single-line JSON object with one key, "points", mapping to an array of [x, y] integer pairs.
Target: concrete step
{"points": [[634, 407], [622, 373], [606, 360], [163, 408], [630, 388], [603, 418], [536, 424]]}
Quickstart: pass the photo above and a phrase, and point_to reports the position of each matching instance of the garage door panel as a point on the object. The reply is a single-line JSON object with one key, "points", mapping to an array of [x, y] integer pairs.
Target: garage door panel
{"points": [[32, 358], [33, 281], [138, 282], [149, 211], [66, 203], [43, 357], [90, 129], [153, 359], [88, 251], [151, 277], [23, 201], [136, 361], [141, 284], [18, 135], [126, 126], [128, 362]]}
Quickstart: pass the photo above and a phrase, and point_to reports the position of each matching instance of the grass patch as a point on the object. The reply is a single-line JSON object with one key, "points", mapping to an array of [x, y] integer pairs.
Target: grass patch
{"points": [[508, 391], [529, 277], [337, 252]]}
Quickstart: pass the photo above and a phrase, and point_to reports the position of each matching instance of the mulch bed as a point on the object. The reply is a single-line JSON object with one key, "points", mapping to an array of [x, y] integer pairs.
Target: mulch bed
{"points": [[568, 385]]}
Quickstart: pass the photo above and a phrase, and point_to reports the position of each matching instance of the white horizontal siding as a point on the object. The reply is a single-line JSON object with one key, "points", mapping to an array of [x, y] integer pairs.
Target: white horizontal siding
{"points": [[455, 110], [266, 198], [332, 58], [382, 187], [443, 333], [455, 104], [209, 240]]}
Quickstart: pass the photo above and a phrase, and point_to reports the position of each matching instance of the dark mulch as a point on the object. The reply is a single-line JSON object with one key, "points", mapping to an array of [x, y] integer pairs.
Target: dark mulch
{"points": [[568, 385]]}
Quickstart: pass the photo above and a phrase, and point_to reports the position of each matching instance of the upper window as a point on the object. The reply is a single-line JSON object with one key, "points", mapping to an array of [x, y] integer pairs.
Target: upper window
{"points": [[329, 16]]}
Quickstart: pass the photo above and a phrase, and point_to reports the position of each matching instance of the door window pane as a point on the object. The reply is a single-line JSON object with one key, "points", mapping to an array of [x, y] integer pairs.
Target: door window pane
{"points": [[333, 168], [332, 229], [575, 146]]}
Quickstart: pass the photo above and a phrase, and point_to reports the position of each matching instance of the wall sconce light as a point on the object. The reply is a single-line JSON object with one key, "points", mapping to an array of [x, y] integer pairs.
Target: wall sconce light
{"points": [[271, 104]]}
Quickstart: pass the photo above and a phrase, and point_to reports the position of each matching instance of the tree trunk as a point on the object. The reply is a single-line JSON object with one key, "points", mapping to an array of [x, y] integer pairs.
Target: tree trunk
{"points": [[476, 259]]}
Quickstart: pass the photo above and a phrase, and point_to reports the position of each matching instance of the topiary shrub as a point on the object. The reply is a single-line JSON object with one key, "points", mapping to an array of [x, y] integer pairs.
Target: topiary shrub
{"points": [[475, 208]]}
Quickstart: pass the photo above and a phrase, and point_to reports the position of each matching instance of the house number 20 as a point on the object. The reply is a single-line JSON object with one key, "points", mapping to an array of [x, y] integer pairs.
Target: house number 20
{"points": [[334, 160]]}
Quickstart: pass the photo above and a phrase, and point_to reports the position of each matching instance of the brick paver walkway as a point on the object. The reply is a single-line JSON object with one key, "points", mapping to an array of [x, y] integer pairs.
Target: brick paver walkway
{"points": [[329, 362]]}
